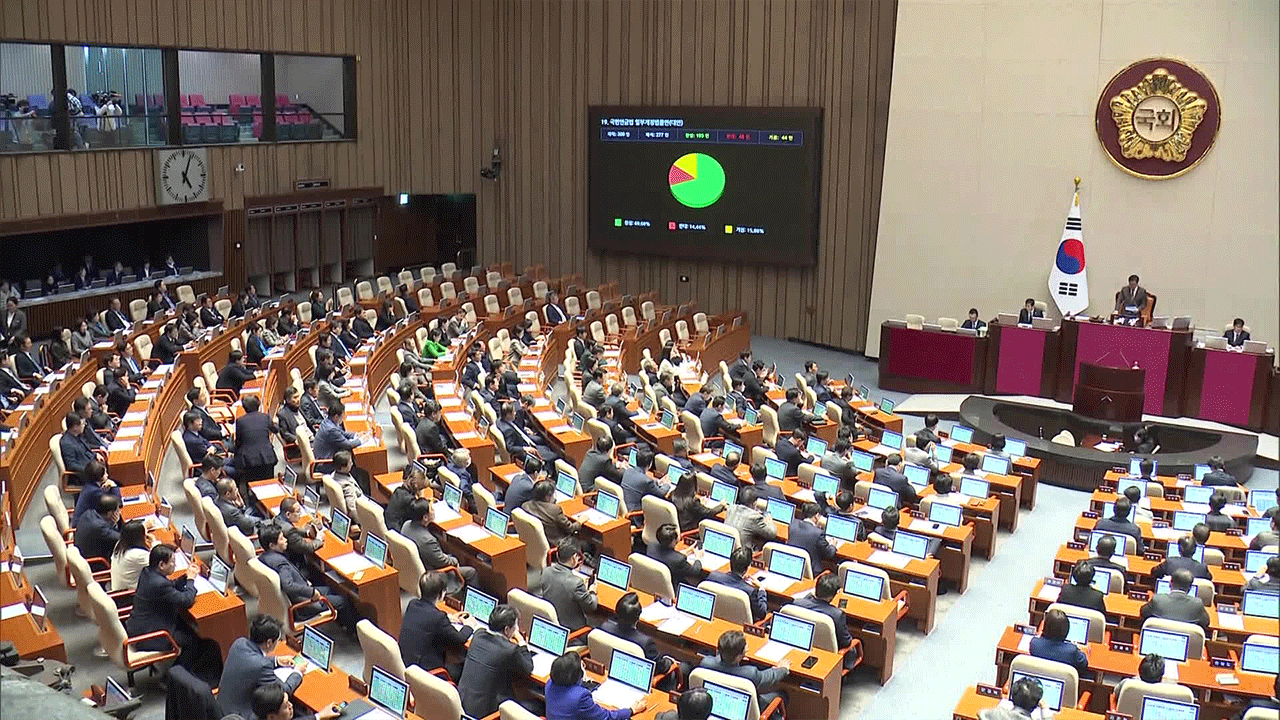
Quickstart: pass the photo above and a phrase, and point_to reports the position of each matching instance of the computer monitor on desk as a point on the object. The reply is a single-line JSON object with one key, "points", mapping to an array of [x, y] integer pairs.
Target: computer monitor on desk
{"points": [[995, 464], [962, 433], [1052, 698], [1154, 708], [726, 702], [1165, 643], [316, 648], [478, 605], [792, 631]]}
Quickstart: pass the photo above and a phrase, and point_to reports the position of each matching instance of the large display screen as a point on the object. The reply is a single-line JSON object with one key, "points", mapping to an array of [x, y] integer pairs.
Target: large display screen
{"points": [[736, 184]]}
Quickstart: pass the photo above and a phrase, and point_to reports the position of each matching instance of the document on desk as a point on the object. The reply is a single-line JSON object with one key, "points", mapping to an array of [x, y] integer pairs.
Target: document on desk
{"points": [[1195, 508], [712, 563], [883, 557], [547, 415], [775, 583], [469, 533], [457, 417], [591, 516], [1170, 672], [283, 673], [350, 563], [180, 561], [443, 512], [465, 435], [656, 612], [677, 623], [1049, 592], [203, 585], [542, 664], [1024, 645], [805, 495], [266, 492], [129, 431], [1107, 446], [772, 651], [1230, 621], [13, 611], [1167, 533]]}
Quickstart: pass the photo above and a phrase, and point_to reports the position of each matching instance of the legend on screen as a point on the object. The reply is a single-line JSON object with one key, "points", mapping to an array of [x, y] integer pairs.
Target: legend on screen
{"points": [[625, 222]]}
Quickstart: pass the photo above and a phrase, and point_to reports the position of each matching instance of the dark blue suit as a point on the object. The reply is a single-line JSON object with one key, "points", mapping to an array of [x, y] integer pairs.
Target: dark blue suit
{"points": [[809, 537], [758, 597], [1061, 651], [575, 703]]}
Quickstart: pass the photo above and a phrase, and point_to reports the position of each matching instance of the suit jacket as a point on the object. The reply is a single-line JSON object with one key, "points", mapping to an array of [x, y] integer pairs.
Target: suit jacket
{"points": [[843, 637], [621, 413], [696, 404], [1126, 297], [197, 446], [235, 516], [242, 672], [256, 349], [311, 412], [514, 436], [397, 510], [117, 320], [253, 446], [157, 605], [809, 537], [210, 430], [75, 452], [408, 412], [1177, 605], [681, 568], [287, 421], [119, 397], [1063, 651], [757, 595], [88, 500], [555, 314], [765, 679], [555, 523], [292, 581], [790, 417], [643, 639], [1177, 562], [1025, 317], [1218, 478], [1128, 527], [426, 635], [971, 325], [433, 557], [575, 702], [493, 666], [751, 524], [789, 454], [567, 592], [898, 482], [713, 423], [233, 377], [13, 323], [360, 328], [1219, 522], [429, 438], [637, 483], [518, 493], [721, 472], [597, 464], [471, 375], [1082, 596], [330, 438], [27, 365], [210, 317], [95, 536], [739, 370], [593, 394]]}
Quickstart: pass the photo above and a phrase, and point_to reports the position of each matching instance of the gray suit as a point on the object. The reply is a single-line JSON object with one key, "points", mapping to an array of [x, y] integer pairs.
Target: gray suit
{"points": [[752, 525], [597, 464], [433, 557], [593, 394], [567, 592], [765, 680], [1177, 605], [492, 667], [244, 670]]}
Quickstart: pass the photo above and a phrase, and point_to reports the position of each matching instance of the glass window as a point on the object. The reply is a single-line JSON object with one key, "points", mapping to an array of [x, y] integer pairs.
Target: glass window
{"points": [[221, 97], [26, 74], [309, 98], [115, 97]]}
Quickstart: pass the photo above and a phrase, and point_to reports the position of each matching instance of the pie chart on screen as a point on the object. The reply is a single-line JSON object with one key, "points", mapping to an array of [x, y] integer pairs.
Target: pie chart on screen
{"points": [[696, 180]]}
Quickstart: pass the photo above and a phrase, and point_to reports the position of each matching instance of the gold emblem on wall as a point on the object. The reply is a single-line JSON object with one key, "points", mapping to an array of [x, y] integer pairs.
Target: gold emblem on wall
{"points": [[1157, 118]]}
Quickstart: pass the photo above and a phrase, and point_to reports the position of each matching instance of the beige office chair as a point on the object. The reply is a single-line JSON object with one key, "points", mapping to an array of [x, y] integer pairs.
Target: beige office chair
{"points": [[731, 603], [428, 274], [593, 300], [1195, 647], [529, 606], [1204, 590], [572, 307], [1131, 692], [449, 269], [223, 306], [534, 537], [515, 296], [120, 647], [218, 531], [1097, 629], [512, 710], [914, 322], [600, 645], [379, 648], [471, 285], [384, 285], [344, 298], [948, 324], [616, 490], [1064, 438], [433, 696], [197, 508], [364, 290], [272, 600], [424, 298], [657, 512], [83, 576], [67, 481], [406, 278], [369, 515], [138, 310], [57, 511], [1057, 671], [58, 550], [333, 492], [304, 311], [407, 561], [771, 547], [186, 294], [769, 420], [702, 675], [629, 317], [242, 550], [824, 628], [648, 311], [651, 576]]}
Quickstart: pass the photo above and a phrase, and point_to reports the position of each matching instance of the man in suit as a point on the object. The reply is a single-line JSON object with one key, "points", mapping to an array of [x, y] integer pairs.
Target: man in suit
{"points": [[552, 310], [748, 518], [848, 416], [972, 322], [427, 431], [930, 431], [623, 625], [725, 471], [209, 315], [565, 589], [806, 533], [1217, 475], [693, 704], [1132, 295], [498, 657], [408, 409], [472, 371], [520, 490], [427, 634], [72, 446], [736, 577], [1105, 550], [235, 514], [742, 367], [617, 400], [255, 347], [891, 477], [790, 416], [294, 583], [29, 367], [209, 428], [414, 481], [271, 702], [418, 529], [116, 319], [289, 416], [234, 374], [1237, 334], [669, 386], [158, 604], [330, 436], [98, 529], [731, 649], [1080, 591], [1029, 312], [1052, 643], [824, 593], [598, 462], [309, 405], [760, 481], [1268, 581], [1178, 604], [663, 549], [1184, 560], [13, 389], [556, 525], [520, 442], [302, 540], [193, 439], [788, 450], [713, 422], [255, 455], [1120, 523], [14, 321], [1267, 538], [1217, 520], [637, 482], [251, 661], [698, 401], [96, 484], [593, 393], [918, 450], [167, 347]]}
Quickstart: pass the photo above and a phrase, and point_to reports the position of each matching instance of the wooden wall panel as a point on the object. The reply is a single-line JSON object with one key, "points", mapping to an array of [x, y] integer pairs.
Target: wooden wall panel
{"points": [[439, 82]]}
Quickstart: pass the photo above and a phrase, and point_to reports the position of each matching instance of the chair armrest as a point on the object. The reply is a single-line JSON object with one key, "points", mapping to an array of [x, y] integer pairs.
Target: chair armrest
{"points": [[772, 708], [904, 601], [98, 562], [134, 640], [580, 633], [1084, 700], [452, 569], [320, 617]]}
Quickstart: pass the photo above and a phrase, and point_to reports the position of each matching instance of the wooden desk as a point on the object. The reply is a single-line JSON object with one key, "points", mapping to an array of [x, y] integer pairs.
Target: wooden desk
{"points": [[1025, 468], [319, 688], [1229, 584], [21, 630], [499, 561], [875, 624], [214, 616], [936, 361], [918, 577], [971, 703], [1160, 540], [984, 513], [376, 589]]}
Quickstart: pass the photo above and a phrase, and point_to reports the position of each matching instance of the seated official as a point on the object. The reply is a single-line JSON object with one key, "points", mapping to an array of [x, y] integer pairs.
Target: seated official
{"points": [[565, 589], [736, 578], [663, 549], [428, 634], [1179, 603], [99, 529], [519, 441], [130, 555], [891, 477], [599, 462], [731, 650], [497, 659], [680, 454], [848, 416], [158, 604], [1131, 299], [1029, 312], [1024, 699], [713, 422], [1103, 553], [690, 507], [637, 482], [1267, 538], [271, 702], [1217, 520], [294, 583], [343, 474], [427, 430], [748, 518], [520, 491], [193, 439], [1183, 560], [1120, 523], [234, 374], [930, 430], [1218, 475], [75, 452], [972, 322], [301, 542], [1150, 672], [569, 699], [1237, 335], [414, 481], [209, 428], [918, 451], [698, 401], [724, 472], [1268, 581], [235, 513], [418, 529], [693, 704], [791, 416], [96, 484], [608, 415], [806, 533], [250, 663], [824, 593], [1080, 591], [969, 465], [1052, 643], [1138, 513], [789, 450], [460, 465], [120, 394], [330, 436], [556, 525]]}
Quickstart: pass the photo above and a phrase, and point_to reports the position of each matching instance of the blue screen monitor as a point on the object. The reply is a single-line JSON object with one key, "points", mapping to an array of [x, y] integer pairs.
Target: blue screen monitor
{"points": [[942, 454], [775, 468], [388, 691], [717, 543], [842, 528], [946, 514], [1201, 471], [995, 464], [1097, 535], [816, 447], [886, 406], [698, 603], [1135, 466], [962, 433], [478, 605], [731, 447], [1259, 658], [1154, 708], [497, 522], [1255, 560], [1078, 632], [1262, 500], [787, 564], [891, 439], [316, 648], [724, 492], [1127, 482], [566, 486], [608, 503], [974, 487], [1261, 604], [632, 671], [614, 573], [1197, 494], [864, 585], [780, 510], [1052, 697], [1169, 645], [375, 550], [880, 498], [917, 475], [340, 525], [864, 462], [916, 546], [792, 631], [726, 702], [824, 483], [1015, 448], [1186, 520], [1256, 525]]}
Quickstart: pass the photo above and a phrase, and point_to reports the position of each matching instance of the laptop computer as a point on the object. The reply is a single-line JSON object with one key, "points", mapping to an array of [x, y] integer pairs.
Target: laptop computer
{"points": [[630, 679], [388, 696], [1015, 448], [911, 545], [941, 513], [727, 703], [697, 603], [824, 483], [668, 419], [917, 476], [1259, 658], [1183, 520], [311, 501], [1200, 471], [478, 605], [780, 510], [863, 462], [1052, 697], [842, 528], [497, 522], [1255, 561], [791, 631], [566, 486], [724, 492], [1135, 466], [878, 498], [375, 549], [219, 574], [1154, 708], [613, 573], [816, 447], [1197, 494], [751, 416], [717, 543], [863, 585], [631, 457], [1101, 581], [340, 525], [961, 433], [787, 564], [1125, 483], [186, 542], [1262, 500], [820, 410], [995, 464], [1256, 347], [942, 454], [453, 497], [886, 406], [730, 447], [1078, 629], [674, 472], [577, 421], [316, 648], [775, 468], [548, 641], [1167, 644], [1261, 604], [890, 442], [114, 694], [607, 503], [1096, 535]]}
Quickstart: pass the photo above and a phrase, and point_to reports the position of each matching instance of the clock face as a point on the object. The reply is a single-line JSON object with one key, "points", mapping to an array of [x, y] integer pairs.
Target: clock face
{"points": [[184, 176]]}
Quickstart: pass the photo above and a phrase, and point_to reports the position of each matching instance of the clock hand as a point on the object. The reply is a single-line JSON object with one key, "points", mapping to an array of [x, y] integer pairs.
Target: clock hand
{"points": [[188, 167], [184, 178]]}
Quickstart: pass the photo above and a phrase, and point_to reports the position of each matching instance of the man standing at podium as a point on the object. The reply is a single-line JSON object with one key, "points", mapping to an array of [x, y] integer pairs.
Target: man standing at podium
{"points": [[1131, 298]]}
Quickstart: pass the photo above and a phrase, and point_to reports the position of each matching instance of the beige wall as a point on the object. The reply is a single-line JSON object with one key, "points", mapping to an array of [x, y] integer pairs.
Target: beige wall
{"points": [[991, 117]]}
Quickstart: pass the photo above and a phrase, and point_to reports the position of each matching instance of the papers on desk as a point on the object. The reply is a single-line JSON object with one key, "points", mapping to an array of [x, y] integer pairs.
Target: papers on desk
{"points": [[542, 664], [711, 563], [469, 533], [283, 673], [457, 417], [547, 415], [135, 499], [203, 585], [883, 557], [126, 445], [153, 383], [527, 374], [180, 561], [591, 516], [527, 388], [775, 583], [1024, 645], [1170, 671], [443, 512], [1107, 446], [677, 623], [266, 492], [656, 612], [370, 441], [1230, 621], [153, 521], [1049, 592], [1196, 508], [804, 495], [350, 563], [13, 611], [465, 435], [129, 431], [1166, 533], [443, 388], [134, 416], [772, 651]]}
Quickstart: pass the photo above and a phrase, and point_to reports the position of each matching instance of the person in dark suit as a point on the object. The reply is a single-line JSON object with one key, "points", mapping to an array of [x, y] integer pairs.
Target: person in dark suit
{"points": [[1183, 560], [930, 431], [848, 416], [806, 533], [565, 589], [120, 395], [331, 437], [409, 412], [568, 699], [414, 480], [251, 661], [158, 604], [13, 389], [713, 421], [1028, 312], [760, 481], [98, 529], [427, 634], [736, 577], [427, 431], [271, 702], [1178, 604], [1237, 335], [693, 704], [115, 276], [663, 549], [289, 416], [497, 658], [623, 625], [193, 440], [637, 482], [1218, 475], [891, 477], [255, 347], [1105, 550], [1052, 643], [1080, 591], [725, 471], [25, 361], [1120, 523], [698, 401], [309, 405], [520, 443], [1268, 581], [471, 371], [790, 415], [96, 484], [72, 446], [14, 321], [116, 319], [418, 529], [167, 347], [254, 455], [235, 513], [556, 525], [552, 310], [1267, 538], [973, 323], [598, 462], [731, 649], [621, 413], [209, 315], [824, 593], [1131, 295], [821, 390], [788, 450], [234, 374], [673, 389], [1217, 520], [742, 367], [294, 583], [361, 328]]}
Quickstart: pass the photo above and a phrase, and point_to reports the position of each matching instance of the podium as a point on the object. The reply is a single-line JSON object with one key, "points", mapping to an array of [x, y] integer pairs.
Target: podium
{"points": [[1110, 393]]}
